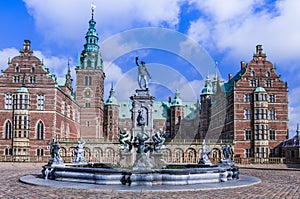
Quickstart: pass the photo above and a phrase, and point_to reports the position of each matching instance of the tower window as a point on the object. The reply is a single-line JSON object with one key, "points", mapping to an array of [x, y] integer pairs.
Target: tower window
{"points": [[88, 81], [40, 130]]}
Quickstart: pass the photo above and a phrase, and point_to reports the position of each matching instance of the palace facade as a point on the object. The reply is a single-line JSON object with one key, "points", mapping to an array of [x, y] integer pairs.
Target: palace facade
{"points": [[249, 111]]}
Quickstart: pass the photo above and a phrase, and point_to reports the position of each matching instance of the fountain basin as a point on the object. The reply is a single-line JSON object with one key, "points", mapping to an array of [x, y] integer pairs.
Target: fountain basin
{"points": [[141, 177]]}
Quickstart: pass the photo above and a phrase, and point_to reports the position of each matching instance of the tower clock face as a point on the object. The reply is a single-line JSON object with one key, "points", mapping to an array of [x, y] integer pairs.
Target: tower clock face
{"points": [[87, 92]]}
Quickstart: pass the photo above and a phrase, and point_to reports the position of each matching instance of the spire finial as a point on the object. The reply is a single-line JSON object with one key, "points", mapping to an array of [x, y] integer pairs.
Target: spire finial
{"points": [[93, 7]]}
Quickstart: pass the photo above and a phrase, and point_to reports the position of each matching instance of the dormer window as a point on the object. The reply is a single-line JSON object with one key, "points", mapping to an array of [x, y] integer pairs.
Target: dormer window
{"points": [[33, 70], [252, 73], [268, 74], [17, 69]]}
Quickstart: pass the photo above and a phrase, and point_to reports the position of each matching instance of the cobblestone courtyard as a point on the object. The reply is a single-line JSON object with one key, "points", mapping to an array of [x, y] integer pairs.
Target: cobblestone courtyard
{"points": [[278, 181]]}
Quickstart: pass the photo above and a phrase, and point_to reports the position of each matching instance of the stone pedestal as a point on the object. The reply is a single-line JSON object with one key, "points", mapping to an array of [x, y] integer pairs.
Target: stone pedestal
{"points": [[158, 160], [126, 159], [142, 105]]}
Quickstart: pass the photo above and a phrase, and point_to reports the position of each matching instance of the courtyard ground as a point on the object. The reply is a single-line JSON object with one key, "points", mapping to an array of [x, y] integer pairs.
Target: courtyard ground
{"points": [[278, 181]]}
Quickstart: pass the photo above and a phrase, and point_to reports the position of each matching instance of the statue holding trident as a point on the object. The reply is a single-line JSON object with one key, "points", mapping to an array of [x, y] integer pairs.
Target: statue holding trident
{"points": [[143, 73]]}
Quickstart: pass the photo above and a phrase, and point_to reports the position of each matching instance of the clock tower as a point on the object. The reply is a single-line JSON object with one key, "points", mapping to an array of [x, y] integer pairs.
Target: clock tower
{"points": [[90, 85]]}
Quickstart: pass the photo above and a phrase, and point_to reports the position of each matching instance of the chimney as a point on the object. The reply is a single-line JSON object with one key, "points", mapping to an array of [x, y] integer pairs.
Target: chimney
{"points": [[259, 49], [230, 76], [243, 64], [26, 45]]}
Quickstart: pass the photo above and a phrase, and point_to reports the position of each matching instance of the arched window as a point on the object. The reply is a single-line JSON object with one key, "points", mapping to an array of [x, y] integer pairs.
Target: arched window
{"points": [[252, 73], [17, 69], [40, 131], [8, 130], [268, 74]]}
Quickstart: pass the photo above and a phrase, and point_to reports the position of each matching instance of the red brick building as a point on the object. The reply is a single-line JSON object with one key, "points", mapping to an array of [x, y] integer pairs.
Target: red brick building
{"points": [[36, 107], [250, 111]]}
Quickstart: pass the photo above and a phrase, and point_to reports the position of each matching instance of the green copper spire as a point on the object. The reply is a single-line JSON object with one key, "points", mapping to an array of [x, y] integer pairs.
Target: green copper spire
{"points": [[207, 90], [177, 100], [89, 58], [111, 99]]}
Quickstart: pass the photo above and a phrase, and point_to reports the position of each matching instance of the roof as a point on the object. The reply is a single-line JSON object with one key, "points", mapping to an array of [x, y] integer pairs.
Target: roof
{"points": [[259, 89], [230, 84]]}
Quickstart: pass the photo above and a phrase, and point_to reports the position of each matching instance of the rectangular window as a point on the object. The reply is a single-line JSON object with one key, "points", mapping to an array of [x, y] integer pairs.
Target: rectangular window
{"points": [[272, 114], [272, 98], [26, 101], [40, 101], [247, 98], [272, 134], [248, 134], [88, 105], [257, 114], [268, 83], [20, 122], [262, 132], [20, 102], [25, 122], [247, 114], [16, 79], [256, 132], [262, 113], [8, 101], [247, 153], [253, 83], [32, 80], [40, 152]]}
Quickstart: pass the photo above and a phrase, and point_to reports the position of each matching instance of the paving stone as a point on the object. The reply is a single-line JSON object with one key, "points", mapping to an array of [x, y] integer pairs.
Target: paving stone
{"points": [[278, 181]]}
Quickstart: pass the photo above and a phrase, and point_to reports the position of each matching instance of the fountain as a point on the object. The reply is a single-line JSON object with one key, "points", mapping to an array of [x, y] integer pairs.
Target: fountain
{"points": [[141, 155]]}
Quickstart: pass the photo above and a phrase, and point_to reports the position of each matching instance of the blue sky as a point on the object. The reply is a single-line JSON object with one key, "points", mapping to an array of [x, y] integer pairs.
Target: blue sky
{"points": [[222, 31]]}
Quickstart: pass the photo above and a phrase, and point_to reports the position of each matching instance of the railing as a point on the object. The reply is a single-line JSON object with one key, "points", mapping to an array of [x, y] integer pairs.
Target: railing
{"points": [[198, 141], [279, 160], [24, 158], [184, 141]]}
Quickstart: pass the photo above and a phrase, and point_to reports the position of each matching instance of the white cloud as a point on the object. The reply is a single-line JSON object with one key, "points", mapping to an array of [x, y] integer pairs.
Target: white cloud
{"points": [[67, 20], [236, 27], [6, 54]]}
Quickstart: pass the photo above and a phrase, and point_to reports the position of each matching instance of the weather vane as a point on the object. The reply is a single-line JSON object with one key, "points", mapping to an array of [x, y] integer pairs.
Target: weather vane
{"points": [[93, 7]]}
